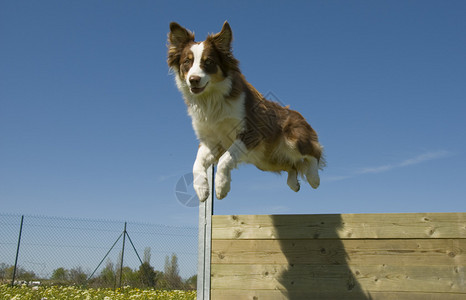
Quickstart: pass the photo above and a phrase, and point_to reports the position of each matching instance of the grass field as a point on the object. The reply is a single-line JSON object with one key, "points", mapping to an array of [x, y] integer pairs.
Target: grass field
{"points": [[69, 292]]}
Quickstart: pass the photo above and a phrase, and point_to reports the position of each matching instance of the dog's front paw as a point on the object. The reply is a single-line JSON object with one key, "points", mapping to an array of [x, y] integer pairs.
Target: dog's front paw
{"points": [[222, 186], [293, 184], [314, 180], [312, 174], [202, 192], [201, 186], [292, 180]]}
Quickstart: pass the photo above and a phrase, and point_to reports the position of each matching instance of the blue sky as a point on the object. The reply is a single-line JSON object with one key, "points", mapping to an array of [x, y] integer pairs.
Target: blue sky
{"points": [[92, 125]]}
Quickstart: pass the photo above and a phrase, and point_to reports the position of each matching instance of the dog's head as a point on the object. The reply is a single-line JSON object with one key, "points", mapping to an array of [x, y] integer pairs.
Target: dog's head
{"points": [[200, 67]]}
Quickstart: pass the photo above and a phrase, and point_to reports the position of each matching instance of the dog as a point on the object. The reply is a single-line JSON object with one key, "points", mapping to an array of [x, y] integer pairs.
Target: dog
{"points": [[232, 120]]}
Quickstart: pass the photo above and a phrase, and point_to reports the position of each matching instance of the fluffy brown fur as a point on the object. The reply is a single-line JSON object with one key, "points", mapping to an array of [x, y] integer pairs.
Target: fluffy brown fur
{"points": [[232, 120]]}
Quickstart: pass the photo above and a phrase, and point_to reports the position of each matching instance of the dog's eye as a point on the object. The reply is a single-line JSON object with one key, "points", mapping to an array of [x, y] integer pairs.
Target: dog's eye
{"points": [[209, 62], [187, 62]]}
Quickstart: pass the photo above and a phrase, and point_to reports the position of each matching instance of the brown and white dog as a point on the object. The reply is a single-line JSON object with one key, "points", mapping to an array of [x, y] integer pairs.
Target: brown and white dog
{"points": [[232, 120]]}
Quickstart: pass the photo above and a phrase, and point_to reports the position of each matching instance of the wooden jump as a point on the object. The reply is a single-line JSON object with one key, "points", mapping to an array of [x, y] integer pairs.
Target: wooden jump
{"points": [[414, 256], [351, 256]]}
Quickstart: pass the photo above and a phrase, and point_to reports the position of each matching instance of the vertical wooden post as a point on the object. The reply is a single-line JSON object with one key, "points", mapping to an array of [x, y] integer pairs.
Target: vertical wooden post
{"points": [[205, 241]]}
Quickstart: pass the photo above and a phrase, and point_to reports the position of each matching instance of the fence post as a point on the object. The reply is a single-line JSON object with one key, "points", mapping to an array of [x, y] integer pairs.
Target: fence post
{"points": [[205, 241], [17, 251], [122, 254]]}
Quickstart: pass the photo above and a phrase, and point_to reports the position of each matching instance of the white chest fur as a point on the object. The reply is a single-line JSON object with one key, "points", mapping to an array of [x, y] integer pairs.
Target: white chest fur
{"points": [[216, 120]]}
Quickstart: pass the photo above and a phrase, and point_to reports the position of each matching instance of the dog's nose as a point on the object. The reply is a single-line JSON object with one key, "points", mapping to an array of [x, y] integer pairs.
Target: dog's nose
{"points": [[194, 80]]}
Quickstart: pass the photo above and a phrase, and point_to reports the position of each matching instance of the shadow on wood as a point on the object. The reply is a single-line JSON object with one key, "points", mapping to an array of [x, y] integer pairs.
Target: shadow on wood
{"points": [[317, 261]]}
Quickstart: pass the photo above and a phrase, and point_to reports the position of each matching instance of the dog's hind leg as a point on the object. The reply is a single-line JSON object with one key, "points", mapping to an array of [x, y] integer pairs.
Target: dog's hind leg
{"points": [[292, 180], [312, 173]]}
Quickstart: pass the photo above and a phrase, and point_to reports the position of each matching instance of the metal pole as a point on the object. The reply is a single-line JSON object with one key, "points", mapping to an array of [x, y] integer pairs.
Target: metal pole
{"points": [[122, 254], [104, 257], [127, 234], [205, 241], [17, 250]]}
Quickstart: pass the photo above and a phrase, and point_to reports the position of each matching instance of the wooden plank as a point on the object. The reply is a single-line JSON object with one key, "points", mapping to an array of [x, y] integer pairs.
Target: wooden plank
{"points": [[339, 278], [414, 296], [284, 295], [341, 252], [306, 295], [345, 226]]}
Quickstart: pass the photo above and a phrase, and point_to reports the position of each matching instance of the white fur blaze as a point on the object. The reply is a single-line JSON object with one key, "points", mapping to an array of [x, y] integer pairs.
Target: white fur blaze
{"points": [[226, 163], [203, 160], [196, 70], [312, 174]]}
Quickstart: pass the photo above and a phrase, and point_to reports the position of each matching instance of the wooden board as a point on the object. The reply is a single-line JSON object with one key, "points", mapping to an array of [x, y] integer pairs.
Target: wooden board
{"points": [[333, 252], [347, 226], [286, 295], [338, 278], [367, 256]]}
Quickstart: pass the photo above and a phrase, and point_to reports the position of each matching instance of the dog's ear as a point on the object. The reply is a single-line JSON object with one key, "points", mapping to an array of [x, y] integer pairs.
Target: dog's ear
{"points": [[179, 36], [224, 37]]}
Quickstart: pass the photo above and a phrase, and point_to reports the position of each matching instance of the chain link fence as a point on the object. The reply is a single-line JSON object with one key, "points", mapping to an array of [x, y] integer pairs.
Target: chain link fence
{"points": [[97, 253]]}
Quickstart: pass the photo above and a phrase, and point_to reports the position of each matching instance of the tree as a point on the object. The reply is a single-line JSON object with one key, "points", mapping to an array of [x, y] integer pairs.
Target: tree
{"points": [[3, 271], [26, 275], [130, 277], [147, 255], [21, 273], [108, 273], [191, 282], [171, 272], [9, 272], [59, 274], [147, 275], [77, 276], [167, 266]]}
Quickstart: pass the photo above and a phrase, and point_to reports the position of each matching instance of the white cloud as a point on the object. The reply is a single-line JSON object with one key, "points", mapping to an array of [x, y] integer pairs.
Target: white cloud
{"points": [[425, 157], [335, 178], [375, 170], [422, 158]]}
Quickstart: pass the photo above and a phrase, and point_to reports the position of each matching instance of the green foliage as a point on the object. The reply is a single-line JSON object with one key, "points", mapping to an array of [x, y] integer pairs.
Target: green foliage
{"points": [[60, 274], [65, 276], [6, 273], [191, 282], [147, 275], [77, 276], [147, 255], [73, 292], [3, 271], [171, 277], [108, 275]]}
